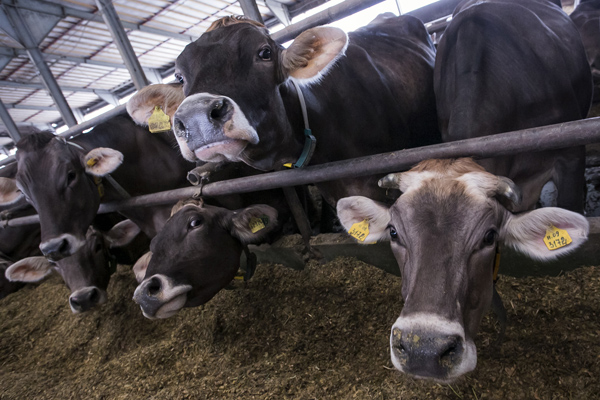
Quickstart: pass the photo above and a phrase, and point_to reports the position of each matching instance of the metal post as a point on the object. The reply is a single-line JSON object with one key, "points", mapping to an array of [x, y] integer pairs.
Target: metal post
{"points": [[26, 39], [122, 41], [13, 132], [250, 10]]}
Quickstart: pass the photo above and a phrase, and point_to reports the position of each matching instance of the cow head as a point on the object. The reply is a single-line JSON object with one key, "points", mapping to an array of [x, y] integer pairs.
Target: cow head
{"points": [[444, 230], [58, 179], [87, 272], [233, 77], [196, 254]]}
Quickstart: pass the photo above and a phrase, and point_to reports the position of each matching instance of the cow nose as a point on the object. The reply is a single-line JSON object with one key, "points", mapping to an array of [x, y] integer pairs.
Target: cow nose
{"points": [[202, 116], [148, 295], [427, 354], [85, 299], [56, 249]]}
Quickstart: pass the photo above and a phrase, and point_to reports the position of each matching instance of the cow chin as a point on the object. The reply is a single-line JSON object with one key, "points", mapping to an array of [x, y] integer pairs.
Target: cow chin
{"points": [[225, 150], [170, 308], [427, 346]]}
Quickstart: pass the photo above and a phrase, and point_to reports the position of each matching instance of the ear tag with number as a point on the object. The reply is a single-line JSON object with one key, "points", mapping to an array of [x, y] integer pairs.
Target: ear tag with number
{"points": [[92, 161], [159, 121], [359, 230], [257, 224], [555, 238]]}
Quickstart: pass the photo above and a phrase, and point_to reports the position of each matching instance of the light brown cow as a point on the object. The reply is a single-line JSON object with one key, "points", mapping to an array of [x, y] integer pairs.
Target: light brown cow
{"points": [[444, 230]]}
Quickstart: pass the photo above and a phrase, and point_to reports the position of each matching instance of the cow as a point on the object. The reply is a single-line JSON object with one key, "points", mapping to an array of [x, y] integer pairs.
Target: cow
{"points": [[443, 231], [87, 272], [364, 93], [196, 254], [587, 19], [16, 242], [506, 65], [65, 180]]}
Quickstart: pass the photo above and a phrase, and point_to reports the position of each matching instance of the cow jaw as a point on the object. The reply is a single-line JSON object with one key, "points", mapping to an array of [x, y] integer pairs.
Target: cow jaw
{"points": [[212, 128], [159, 297], [429, 346]]}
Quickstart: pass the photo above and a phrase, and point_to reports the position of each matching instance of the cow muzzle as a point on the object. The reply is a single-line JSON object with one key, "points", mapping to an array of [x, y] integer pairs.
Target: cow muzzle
{"points": [[85, 299], [159, 297], [213, 128], [430, 347], [57, 248]]}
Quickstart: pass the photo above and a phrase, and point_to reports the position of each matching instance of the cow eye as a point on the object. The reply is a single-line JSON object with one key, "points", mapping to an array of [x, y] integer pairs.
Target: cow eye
{"points": [[179, 78], [195, 223], [71, 175], [490, 237], [393, 234], [265, 54]]}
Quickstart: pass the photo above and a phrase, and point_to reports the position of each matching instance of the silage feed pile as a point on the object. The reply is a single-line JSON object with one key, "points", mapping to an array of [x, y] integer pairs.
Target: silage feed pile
{"points": [[321, 333]]}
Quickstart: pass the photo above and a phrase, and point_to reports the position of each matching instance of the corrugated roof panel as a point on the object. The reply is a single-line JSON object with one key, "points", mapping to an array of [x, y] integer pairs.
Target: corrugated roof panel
{"points": [[14, 95], [44, 116]]}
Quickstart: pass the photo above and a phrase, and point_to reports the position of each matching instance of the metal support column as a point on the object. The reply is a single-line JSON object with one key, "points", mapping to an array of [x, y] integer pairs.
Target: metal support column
{"points": [[122, 41], [26, 39], [250, 10], [13, 132]]}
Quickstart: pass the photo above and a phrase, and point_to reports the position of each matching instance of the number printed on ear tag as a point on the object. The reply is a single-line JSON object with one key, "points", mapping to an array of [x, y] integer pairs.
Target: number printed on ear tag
{"points": [[159, 121], [256, 224], [359, 230], [555, 238]]}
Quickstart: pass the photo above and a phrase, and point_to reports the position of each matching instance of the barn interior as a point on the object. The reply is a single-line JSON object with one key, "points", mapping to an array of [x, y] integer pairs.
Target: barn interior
{"points": [[67, 65]]}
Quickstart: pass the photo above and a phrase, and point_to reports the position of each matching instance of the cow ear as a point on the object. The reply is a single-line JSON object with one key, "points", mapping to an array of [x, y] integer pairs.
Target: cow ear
{"points": [[167, 97], [313, 52], [254, 223], [122, 234], [140, 267], [9, 192], [102, 161], [31, 269], [368, 213], [526, 232]]}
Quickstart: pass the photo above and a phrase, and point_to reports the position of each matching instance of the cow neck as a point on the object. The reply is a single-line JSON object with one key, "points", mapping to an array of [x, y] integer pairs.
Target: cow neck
{"points": [[310, 142], [98, 179]]}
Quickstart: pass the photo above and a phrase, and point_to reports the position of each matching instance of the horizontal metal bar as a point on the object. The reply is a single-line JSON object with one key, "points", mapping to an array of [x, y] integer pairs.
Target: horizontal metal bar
{"points": [[29, 107], [77, 129], [64, 11], [550, 137], [39, 86], [14, 52]]}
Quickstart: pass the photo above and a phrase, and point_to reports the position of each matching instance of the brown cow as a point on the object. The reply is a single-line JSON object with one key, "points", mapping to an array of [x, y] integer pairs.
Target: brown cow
{"points": [[444, 230]]}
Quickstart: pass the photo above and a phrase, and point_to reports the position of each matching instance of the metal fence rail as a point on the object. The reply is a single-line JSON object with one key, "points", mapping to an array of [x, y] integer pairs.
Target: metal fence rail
{"points": [[528, 140]]}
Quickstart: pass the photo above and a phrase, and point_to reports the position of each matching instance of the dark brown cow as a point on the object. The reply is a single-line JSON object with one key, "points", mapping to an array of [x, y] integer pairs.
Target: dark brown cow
{"points": [[87, 272], [196, 254], [59, 178], [587, 19], [366, 93], [444, 230], [506, 65]]}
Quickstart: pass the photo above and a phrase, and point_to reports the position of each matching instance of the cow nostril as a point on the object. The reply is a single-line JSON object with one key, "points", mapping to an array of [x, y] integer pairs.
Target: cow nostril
{"points": [[448, 352], [179, 128], [94, 296], [219, 109], [75, 303], [154, 286], [64, 246]]}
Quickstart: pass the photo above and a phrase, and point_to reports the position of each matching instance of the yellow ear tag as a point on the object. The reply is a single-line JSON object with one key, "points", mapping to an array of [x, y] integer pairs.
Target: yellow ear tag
{"points": [[556, 238], [288, 165], [92, 161], [256, 224], [359, 230], [159, 121]]}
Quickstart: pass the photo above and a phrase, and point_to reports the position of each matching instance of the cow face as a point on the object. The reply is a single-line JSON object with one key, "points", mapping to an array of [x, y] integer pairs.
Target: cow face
{"points": [[232, 77], [197, 254], [58, 179], [444, 230], [87, 272]]}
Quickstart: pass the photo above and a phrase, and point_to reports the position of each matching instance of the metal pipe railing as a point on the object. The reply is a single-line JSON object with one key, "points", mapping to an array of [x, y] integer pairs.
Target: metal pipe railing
{"points": [[550, 137]]}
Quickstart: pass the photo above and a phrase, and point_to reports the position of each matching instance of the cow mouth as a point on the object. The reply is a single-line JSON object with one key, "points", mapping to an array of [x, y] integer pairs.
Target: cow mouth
{"points": [[168, 309], [223, 150]]}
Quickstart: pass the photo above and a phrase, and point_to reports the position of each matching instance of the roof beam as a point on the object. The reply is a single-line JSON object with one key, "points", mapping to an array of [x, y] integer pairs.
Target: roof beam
{"points": [[122, 42], [11, 127], [28, 107], [250, 10], [27, 40], [63, 10], [40, 86]]}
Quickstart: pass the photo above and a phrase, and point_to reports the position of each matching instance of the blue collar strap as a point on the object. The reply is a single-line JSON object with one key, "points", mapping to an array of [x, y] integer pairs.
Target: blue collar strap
{"points": [[310, 142]]}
